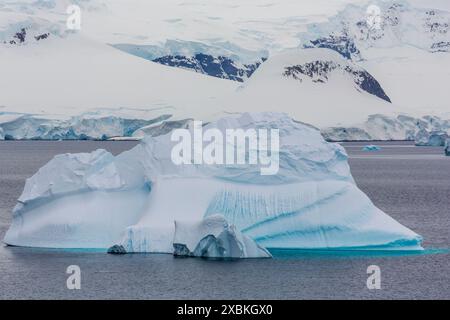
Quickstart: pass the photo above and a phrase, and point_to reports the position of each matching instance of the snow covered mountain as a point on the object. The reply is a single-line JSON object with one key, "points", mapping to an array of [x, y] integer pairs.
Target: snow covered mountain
{"points": [[195, 59], [316, 86], [319, 70], [300, 83], [63, 77], [220, 67], [326, 65], [406, 50], [397, 23]]}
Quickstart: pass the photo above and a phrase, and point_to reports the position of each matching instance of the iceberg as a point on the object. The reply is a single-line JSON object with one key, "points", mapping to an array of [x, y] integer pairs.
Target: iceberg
{"points": [[371, 147], [447, 147], [142, 200]]}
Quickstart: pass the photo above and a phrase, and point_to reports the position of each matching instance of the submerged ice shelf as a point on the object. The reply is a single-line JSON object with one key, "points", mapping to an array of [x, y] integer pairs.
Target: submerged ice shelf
{"points": [[137, 199]]}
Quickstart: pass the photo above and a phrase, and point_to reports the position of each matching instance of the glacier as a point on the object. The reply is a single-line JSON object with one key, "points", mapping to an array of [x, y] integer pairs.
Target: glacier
{"points": [[214, 61], [384, 128], [127, 125], [400, 23], [138, 198], [430, 138], [86, 126]]}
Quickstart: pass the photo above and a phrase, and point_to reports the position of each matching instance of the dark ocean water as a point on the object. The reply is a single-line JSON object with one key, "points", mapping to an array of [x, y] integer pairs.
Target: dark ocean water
{"points": [[411, 184]]}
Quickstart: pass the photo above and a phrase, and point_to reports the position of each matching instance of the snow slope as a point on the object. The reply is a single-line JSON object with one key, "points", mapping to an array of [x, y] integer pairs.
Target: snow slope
{"points": [[97, 200], [74, 75], [408, 52], [71, 75], [107, 79], [326, 93]]}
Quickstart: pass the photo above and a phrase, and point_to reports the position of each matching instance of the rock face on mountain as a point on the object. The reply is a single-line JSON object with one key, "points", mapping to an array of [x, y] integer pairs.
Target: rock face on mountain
{"points": [[220, 67], [320, 70], [341, 43], [21, 37]]}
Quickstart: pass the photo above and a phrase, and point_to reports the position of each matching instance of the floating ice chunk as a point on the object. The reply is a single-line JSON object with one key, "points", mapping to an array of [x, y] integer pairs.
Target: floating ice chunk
{"points": [[371, 148], [447, 147], [432, 139], [213, 237], [97, 200], [68, 173]]}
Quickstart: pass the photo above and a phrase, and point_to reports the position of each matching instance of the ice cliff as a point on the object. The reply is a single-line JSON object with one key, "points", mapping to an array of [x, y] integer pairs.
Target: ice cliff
{"points": [[142, 201], [94, 125], [384, 127], [430, 138]]}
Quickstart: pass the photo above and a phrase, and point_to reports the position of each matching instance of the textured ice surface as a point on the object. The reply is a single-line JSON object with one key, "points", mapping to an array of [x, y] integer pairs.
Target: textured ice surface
{"points": [[97, 200], [214, 237], [433, 138], [383, 127], [85, 126]]}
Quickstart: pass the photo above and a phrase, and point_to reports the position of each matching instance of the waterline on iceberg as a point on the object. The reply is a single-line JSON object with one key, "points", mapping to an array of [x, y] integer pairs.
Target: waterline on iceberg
{"points": [[135, 200]]}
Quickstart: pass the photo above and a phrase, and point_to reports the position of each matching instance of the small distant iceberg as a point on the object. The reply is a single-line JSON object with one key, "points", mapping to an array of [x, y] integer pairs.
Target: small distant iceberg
{"points": [[371, 147], [141, 202]]}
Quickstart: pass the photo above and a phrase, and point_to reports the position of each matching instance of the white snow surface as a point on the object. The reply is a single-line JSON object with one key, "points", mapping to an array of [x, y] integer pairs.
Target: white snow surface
{"points": [[241, 28], [74, 75], [336, 101], [97, 200]]}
